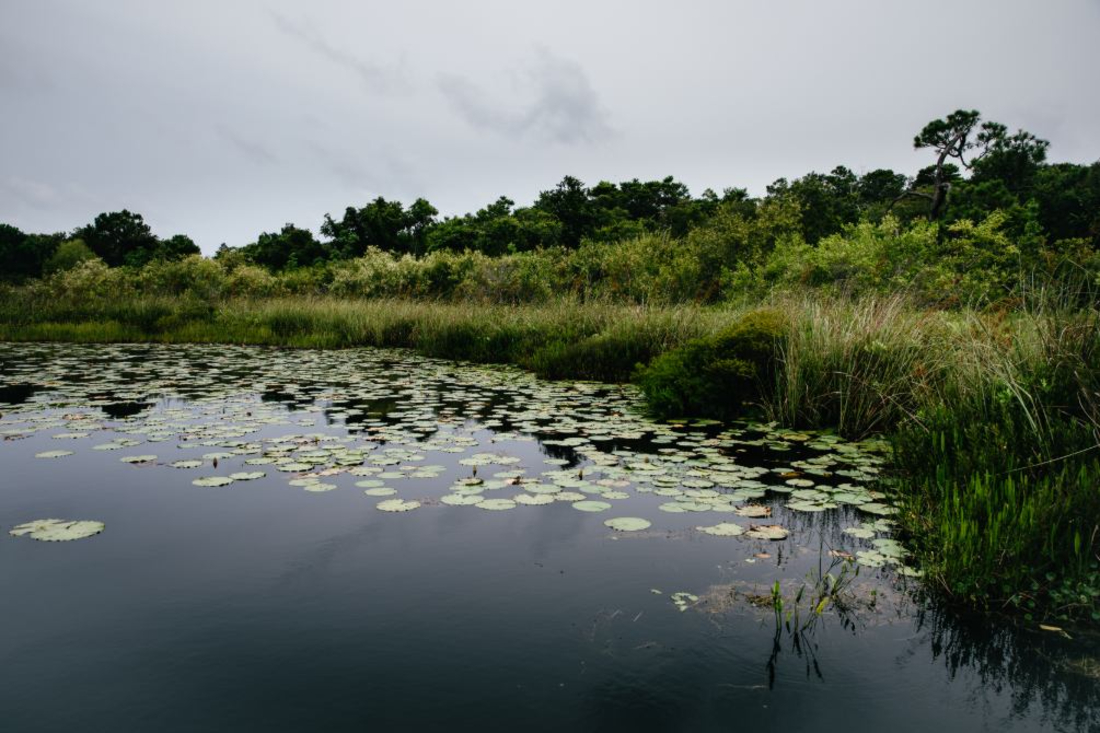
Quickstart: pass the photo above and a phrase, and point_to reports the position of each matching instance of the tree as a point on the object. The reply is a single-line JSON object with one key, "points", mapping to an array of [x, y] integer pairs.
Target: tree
{"points": [[22, 256], [1013, 159], [827, 201], [68, 255], [998, 155], [384, 224], [120, 238], [880, 187], [418, 220], [950, 138], [176, 248], [1069, 200], [292, 247], [569, 203]]}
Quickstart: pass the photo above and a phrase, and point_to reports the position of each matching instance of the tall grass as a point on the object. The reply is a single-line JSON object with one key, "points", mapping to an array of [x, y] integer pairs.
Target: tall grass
{"points": [[859, 366]]}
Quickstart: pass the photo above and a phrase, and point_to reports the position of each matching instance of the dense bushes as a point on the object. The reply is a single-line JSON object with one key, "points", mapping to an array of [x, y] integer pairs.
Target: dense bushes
{"points": [[718, 375], [732, 257]]}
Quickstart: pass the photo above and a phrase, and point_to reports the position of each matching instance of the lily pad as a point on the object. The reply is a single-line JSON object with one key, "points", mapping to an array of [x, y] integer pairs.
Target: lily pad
{"points": [[875, 507], [462, 499], [496, 505], [397, 505], [138, 459], [58, 530], [628, 524], [247, 475], [534, 499], [213, 481], [53, 454], [591, 506], [725, 529], [768, 532]]}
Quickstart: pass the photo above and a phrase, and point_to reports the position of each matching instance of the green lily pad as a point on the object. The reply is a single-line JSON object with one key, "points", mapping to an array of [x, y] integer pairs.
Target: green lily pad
{"points": [[247, 475], [725, 529], [53, 454], [380, 491], [534, 499], [213, 481], [57, 530], [591, 506], [462, 499], [397, 505], [138, 459], [496, 505], [871, 558], [875, 507], [628, 524], [185, 464]]}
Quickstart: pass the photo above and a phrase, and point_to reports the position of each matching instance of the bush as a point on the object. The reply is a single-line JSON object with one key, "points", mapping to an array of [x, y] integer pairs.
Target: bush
{"points": [[717, 376], [605, 357]]}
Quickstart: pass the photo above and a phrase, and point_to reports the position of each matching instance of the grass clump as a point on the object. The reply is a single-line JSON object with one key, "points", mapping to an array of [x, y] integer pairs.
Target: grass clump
{"points": [[720, 375]]}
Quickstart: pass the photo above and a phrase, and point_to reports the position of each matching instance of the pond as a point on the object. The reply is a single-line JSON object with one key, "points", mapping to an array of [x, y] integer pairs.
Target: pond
{"points": [[372, 540]]}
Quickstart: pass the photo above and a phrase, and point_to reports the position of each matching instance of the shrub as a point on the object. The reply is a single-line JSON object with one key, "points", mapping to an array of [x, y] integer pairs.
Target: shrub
{"points": [[605, 357], [717, 376]]}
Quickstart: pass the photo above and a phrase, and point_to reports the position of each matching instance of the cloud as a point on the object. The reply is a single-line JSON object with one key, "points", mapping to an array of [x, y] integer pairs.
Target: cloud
{"points": [[377, 78], [251, 149], [34, 194], [369, 173], [563, 107]]}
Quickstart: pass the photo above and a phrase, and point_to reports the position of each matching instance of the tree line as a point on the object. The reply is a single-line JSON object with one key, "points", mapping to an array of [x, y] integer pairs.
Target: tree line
{"points": [[977, 167]]}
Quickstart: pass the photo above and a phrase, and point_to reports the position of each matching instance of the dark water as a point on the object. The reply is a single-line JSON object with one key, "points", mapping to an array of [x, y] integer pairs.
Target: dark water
{"points": [[262, 606]]}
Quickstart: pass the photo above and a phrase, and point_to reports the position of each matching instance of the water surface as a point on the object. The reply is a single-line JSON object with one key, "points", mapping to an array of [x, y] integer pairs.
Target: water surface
{"points": [[268, 605]]}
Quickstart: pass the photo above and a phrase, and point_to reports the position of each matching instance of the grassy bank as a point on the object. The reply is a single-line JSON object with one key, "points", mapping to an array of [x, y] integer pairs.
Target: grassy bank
{"points": [[993, 414]]}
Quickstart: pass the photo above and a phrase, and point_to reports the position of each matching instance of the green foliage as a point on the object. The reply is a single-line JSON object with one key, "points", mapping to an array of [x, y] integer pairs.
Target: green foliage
{"points": [[720, 375], [861, 367], [385, 225], [22, 256], [948, 265], [68, 255], [120, 238], [288, 249], [827, 202]]}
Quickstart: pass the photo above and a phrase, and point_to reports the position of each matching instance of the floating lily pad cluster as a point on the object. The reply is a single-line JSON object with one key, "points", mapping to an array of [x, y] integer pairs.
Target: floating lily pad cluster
{"points": [[410, 432]]}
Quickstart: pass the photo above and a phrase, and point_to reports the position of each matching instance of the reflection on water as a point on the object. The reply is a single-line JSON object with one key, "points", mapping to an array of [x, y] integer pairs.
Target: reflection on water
{"points": [[262, 605], [1058, 674]]}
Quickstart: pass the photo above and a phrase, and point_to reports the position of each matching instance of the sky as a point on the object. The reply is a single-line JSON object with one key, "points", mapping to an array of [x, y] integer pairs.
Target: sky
{"points": [[221, 119]]}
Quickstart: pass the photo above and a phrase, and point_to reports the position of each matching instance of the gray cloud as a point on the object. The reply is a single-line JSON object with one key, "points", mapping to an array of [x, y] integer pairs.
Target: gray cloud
{"points": [[377, 78], [366, 175], [221, 120], [251, 149], [563, 107], [35, 194]]}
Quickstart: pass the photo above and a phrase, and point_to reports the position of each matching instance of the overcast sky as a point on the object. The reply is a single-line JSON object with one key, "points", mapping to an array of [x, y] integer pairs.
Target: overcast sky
{"points": [[221, 119]]}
